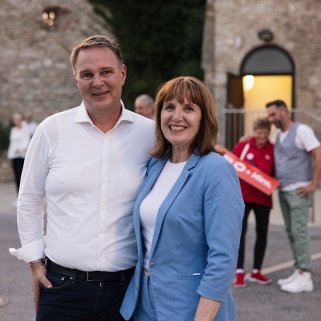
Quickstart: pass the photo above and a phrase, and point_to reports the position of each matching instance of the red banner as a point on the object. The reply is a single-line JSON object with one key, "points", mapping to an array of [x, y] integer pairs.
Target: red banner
{"points": [[252, 174]]}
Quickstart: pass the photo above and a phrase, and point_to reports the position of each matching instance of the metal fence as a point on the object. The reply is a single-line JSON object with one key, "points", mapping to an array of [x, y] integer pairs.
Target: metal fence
{"points": [[240, 121]]}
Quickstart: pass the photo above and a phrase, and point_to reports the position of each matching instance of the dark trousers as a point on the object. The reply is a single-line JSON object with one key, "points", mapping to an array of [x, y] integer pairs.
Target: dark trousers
{"points": [[81, 300], [262, 214], [17, 165]]}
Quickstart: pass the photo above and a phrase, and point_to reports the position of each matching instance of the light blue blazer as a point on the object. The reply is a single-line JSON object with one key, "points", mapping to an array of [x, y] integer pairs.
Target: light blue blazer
{"points": [[196, 240]]}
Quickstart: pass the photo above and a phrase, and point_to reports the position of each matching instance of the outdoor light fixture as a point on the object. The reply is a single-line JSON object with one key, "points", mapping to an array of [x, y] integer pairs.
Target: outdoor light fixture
{"points": [[265, 35], [48, 18], [248, 82]]}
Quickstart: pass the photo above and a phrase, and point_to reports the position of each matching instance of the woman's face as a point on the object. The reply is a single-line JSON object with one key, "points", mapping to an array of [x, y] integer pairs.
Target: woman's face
{"points": [[17, 119], [261, 136], [180, 123]]}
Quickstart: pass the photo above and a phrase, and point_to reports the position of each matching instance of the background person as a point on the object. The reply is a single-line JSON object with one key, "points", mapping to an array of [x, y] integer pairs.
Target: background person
{"points": [[144, 106], [294, 148], [18, 144], [258, 151], [29, 123], [89, 162], [188, 215]]}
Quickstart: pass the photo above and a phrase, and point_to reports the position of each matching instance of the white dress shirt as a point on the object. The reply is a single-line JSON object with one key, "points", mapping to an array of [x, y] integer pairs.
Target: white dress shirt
{"points": [[90, 181], [19, 141]]}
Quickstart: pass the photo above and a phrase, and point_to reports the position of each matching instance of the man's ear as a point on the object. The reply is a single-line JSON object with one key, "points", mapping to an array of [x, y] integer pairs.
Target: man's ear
{"points": [[76, 79], [124, 72]]}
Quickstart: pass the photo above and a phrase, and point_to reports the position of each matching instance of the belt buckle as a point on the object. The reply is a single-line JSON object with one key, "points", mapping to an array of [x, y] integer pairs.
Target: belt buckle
{"points": [[146, 273], [89, 280]]}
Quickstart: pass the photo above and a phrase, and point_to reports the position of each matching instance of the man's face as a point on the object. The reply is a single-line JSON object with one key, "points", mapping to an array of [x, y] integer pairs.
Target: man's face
{"points": [[28, 117], [276, 116], [142, 108], [99, 78]]}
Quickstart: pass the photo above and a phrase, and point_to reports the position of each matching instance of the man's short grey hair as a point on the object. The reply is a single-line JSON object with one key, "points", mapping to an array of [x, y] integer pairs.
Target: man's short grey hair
{"points": [[148, 100]]}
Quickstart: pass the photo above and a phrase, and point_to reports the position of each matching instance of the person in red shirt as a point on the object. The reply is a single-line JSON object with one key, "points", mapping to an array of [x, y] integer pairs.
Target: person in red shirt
{"points": [[258, 151]]}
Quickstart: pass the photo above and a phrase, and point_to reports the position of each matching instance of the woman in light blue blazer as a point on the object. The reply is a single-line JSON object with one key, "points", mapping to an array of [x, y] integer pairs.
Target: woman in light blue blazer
{"points": [[187, 217]]}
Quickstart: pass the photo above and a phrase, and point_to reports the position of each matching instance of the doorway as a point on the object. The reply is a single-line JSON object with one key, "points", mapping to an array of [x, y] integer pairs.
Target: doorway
{"points": [[266, 74]]}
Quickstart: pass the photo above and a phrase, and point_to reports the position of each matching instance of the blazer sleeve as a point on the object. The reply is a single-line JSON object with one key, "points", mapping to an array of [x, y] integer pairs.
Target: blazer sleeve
{"points": [[223, 214]]}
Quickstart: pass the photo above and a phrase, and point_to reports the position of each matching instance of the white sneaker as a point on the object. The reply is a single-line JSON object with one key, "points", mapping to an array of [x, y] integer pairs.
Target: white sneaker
{"points": [[289, 279], [301, 283]]}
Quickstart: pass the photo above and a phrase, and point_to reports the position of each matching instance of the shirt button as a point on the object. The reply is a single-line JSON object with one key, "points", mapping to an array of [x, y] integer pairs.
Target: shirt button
{"points": [[151, 265], [103, 182], [101, 255], [101, 231], [103, 206]]}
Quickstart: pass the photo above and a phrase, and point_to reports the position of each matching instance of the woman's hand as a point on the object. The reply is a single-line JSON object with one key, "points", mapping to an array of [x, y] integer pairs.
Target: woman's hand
{"points": [[207, 309]]}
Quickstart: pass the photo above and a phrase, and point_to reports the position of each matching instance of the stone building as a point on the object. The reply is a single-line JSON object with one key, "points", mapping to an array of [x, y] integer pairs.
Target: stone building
{"points": [[258, 51], [36, 39]]}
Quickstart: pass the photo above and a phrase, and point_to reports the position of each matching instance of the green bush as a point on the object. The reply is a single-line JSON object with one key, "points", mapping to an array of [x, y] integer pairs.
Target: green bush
{"points": [[160, 39], [4, 136]]}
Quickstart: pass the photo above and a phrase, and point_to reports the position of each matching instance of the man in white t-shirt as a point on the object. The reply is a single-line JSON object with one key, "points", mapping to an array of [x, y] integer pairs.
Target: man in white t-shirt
{"points": [[294, 149]]}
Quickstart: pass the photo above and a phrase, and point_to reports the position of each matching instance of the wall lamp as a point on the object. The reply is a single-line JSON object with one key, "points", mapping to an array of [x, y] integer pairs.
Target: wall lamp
{"points": [[265, 35]]}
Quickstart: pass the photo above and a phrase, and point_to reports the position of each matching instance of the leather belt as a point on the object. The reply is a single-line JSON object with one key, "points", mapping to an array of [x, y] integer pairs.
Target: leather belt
{"points": [[98, 276]]}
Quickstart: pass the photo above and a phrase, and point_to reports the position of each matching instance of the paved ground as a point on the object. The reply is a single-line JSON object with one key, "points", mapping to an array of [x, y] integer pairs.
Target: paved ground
{"points": [[254, 303]]}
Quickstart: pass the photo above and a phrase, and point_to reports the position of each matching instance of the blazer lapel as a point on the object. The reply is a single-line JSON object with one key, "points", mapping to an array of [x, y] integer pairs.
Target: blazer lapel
{"points": [[191, 163], [150, 180]]}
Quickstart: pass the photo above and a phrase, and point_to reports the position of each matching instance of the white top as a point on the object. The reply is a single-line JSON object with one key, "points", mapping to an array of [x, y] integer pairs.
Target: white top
{"points": [[19, 141], [152, 202], [32, 126], [305, 139], [90, 180]]}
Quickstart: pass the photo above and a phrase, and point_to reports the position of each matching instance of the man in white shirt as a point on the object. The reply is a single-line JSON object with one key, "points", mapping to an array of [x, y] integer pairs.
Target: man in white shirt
{"points": [[89, 162], [29, 123], [294, 149], [144, 106]]}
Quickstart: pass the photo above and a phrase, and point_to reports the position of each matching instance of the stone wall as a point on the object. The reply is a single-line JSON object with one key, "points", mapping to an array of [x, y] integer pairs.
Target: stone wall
{"points": [[232, 26], [35, 73]]}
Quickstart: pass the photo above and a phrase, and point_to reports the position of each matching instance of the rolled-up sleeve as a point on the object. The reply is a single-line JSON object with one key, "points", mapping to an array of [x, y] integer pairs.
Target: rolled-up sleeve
{"points": [[223, 214], [30, 215]]}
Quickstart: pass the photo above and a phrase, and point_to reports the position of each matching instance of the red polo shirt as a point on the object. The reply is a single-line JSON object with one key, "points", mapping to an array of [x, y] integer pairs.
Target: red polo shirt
{"points": [[261, 158]]}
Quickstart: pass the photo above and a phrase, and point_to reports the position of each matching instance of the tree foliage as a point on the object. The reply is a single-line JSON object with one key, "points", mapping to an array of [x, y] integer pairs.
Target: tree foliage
{"points": [[159, 39]]}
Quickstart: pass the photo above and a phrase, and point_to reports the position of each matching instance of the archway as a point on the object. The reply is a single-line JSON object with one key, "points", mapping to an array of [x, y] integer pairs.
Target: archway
{"points": [[266, 73]]}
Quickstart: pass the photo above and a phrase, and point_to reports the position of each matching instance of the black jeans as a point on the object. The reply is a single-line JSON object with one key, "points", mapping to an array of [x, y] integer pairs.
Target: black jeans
{"points": [[80, 300], [17, 165], [262, 214]]}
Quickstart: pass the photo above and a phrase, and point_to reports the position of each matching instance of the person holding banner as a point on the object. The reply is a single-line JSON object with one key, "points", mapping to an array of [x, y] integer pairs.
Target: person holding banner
{"points": [[188, 215], [258, 151]]}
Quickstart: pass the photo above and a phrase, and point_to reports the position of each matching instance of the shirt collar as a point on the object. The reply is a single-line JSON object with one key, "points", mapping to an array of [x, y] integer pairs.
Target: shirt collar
{"points": [[83, 117]]}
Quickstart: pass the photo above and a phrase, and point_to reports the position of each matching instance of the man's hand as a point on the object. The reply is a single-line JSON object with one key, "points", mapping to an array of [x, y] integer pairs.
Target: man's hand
{"points": [[39, 279], [306, 190]]}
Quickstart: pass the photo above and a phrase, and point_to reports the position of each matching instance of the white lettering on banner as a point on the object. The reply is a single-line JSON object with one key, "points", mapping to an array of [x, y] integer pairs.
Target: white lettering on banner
{"points": [[251, 174], [241, 167], [261, 179]]}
